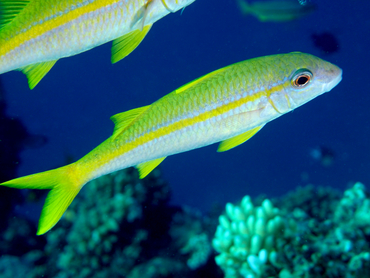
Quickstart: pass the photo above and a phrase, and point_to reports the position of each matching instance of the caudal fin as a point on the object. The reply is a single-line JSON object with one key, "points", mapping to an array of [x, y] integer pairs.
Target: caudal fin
{"points": [[64, 188]]}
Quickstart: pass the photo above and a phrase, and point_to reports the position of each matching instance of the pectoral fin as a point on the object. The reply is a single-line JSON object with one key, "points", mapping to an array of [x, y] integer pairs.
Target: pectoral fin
{"points": [[36, 72], [124, 45], [237, 140], [146, 167]]}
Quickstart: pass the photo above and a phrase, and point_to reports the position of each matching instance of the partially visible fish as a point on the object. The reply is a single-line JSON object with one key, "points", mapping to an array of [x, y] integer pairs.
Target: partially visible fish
{"points": [[34, 34], [277, 10], [228, 105]]}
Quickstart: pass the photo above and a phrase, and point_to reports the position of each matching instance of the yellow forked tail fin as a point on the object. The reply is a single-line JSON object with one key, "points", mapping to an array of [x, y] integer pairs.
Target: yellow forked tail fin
{"points": [[64, 188]]}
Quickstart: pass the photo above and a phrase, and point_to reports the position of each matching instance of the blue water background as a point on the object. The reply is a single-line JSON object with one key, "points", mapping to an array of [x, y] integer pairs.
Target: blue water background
{"points": [[73, 103]]}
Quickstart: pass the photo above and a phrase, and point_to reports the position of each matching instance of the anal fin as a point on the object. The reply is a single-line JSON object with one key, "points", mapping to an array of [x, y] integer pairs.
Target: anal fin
{"points": [[146, 167], [124, 45], [36, 72], [237, 140]]}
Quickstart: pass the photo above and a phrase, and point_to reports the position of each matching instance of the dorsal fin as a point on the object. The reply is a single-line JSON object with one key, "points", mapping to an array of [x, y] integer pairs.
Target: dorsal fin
{"points": [[9, 9], [146, 167], [124, 119], [198, 80], [237, 140], [124, 45], [36, 72]]}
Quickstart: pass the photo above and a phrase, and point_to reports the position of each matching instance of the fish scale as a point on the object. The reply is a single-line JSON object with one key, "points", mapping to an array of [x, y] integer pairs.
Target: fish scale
{"points": [[229, 106]]}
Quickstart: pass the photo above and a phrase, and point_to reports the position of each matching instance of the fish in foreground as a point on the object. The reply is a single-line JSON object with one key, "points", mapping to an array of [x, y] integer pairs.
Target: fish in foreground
{"points": [[228, 105], [276, 10], [34, 34]]}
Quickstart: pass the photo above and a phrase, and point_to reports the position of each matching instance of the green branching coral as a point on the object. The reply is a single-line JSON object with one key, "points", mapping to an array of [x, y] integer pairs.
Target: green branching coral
{"points": [[247, 238], [321, 236]]}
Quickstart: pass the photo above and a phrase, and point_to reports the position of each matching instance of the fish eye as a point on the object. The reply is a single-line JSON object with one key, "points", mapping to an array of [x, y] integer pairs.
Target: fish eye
{"points": [[301, 78]]}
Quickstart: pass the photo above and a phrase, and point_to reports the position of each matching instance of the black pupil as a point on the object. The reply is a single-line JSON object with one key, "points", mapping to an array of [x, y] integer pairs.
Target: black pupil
{"points": [[302, 80]]}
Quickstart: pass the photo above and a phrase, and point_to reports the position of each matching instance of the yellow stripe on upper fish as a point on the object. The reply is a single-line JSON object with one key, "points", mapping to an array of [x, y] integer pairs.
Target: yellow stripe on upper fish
{"points": [[229, 106], [35, 34]]}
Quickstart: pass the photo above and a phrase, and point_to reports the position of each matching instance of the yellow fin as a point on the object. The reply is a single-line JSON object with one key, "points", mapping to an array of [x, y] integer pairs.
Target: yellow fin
{"points": [[237, 140], [146, 167], [124, 119], [36, 72], [124, 45], [63, 191], [9, 9], [198, 80]]}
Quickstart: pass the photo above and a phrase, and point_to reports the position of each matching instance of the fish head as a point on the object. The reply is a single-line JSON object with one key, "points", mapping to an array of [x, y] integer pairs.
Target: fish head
{"points": [[175, 5], [304, 77]]}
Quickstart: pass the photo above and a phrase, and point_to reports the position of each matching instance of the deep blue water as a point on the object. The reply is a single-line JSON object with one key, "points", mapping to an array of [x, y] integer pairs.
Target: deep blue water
{"points": [[73, 103]]}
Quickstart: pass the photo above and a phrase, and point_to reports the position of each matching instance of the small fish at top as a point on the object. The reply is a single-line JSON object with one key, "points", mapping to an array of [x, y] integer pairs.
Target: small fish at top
{"points": [[34, 34], [276, 11], [229, 105]]}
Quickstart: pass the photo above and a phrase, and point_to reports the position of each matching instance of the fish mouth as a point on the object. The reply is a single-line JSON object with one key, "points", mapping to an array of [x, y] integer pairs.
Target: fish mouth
{"points": [[337, 72]]}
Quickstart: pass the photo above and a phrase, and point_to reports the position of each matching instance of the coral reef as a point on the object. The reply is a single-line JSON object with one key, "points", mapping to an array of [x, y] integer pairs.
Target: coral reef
{"points": [[121, 226], [336, 246], [247, 239], [105, 229], [321, 236], [190, 234]]}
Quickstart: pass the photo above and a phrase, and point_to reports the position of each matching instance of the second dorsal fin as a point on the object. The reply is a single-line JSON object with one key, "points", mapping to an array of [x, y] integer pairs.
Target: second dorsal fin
{"points": [[198, 80], [9, 9], [124, 119]]}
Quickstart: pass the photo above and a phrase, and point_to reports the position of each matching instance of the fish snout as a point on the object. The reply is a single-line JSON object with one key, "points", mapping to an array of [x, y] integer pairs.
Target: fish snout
{"points": [[334, 75]]}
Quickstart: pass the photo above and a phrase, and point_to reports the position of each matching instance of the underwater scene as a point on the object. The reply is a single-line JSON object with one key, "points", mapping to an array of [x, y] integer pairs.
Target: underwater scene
{"points": [[126, 144]]}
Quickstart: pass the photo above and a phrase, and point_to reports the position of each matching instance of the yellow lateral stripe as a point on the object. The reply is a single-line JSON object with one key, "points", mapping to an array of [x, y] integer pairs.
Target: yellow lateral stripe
{"points": [[181, 124], [201, 117], [51, 24], [275, 89], [163, 131]]}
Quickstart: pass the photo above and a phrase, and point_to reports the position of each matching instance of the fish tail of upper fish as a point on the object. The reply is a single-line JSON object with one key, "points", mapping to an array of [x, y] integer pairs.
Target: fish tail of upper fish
{"points": [[64, 184]]}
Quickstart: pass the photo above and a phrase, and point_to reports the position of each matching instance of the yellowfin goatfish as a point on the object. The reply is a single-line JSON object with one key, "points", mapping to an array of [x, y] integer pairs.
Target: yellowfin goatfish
{"points": [[277, 10], [34, 34], [228, 105]]}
